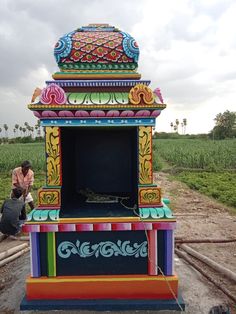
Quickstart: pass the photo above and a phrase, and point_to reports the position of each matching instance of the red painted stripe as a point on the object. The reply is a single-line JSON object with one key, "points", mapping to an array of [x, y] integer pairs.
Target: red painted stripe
{"points": [[164, 225], [142, 226], [49, 228], [121, 226], [66, 227], [84, 227], [152, 252], [102, 227], [99, 227], [31, 228]]}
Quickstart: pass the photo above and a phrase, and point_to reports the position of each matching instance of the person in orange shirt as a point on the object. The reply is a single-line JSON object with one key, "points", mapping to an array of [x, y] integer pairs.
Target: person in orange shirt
{"points": [[23, 177]]}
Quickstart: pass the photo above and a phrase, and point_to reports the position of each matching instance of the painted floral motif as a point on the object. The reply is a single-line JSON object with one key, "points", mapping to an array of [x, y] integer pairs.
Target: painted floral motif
{"points": [[140, 93], [77, 36], [88, 48], [107, 46], [100, 51], [49, 197], [130, 47], [98, 98], [149, 196], [76, 55], [112, 44], [124, 59], [77, 44], [104, 249], [89, 58], [119, 48], [63, 47], [101, 41], [113, 56], [53, 94]]}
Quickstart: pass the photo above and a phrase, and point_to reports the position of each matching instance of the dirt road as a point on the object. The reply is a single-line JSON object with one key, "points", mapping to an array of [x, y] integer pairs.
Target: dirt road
{"points": [[197, 217]]}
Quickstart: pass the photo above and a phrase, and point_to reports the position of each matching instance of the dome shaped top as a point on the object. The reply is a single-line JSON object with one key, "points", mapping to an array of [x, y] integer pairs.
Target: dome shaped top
{"points": [[96, 46]]}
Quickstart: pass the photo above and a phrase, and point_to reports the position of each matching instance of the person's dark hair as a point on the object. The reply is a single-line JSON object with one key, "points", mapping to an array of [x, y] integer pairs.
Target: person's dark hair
{"points": [[17, 192], [26, 164]]}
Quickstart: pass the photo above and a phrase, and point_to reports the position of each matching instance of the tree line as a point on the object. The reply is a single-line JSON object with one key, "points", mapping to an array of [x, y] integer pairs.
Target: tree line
{"points": [[24, 133], [225, 127]]}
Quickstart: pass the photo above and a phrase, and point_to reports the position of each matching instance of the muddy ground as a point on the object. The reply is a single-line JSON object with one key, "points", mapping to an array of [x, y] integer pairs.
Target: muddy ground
{"points": [[198, 217]]}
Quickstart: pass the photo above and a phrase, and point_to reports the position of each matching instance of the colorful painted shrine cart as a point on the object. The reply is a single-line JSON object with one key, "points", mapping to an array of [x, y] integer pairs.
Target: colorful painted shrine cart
{"points": [[101, 236]]}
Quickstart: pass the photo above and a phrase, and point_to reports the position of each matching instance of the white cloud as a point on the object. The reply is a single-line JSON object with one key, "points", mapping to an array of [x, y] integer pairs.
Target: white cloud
{"points": [[187, 48]]}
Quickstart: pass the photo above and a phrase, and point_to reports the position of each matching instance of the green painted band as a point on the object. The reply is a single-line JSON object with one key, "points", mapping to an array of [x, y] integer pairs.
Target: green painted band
{"points": [[51, 254], [98, 66]]}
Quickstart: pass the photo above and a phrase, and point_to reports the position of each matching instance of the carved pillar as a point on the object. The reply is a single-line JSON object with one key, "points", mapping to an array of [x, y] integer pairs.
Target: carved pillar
{"points": [[149, 194], [145, 155], [53, 156], [50, 195]]}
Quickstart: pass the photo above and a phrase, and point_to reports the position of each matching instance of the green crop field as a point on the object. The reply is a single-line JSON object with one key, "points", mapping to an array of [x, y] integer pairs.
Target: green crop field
{"points": [[204, 165], [12, 155], [197, 154]]}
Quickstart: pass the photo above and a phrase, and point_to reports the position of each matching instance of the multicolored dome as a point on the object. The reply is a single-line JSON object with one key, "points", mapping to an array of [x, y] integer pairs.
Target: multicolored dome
{"points": [[96, 47]]}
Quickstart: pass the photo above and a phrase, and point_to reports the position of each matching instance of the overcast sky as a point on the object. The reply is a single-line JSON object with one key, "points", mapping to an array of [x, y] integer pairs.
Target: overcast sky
{"points": [[187, 48]]}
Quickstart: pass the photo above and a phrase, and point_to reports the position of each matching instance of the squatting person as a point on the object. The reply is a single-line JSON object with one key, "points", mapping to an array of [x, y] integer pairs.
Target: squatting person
{"points": [[13, 213]]}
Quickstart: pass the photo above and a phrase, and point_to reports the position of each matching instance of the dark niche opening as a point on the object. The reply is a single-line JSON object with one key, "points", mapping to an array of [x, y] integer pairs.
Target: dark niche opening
{"points": [[99, 171]]}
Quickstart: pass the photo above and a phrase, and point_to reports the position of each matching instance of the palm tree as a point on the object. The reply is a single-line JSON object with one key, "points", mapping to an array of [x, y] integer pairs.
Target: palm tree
{"points": [[38, 128], [26, 125], [177, 124], [24, 130], [0, 130], [185, 124], [17, 127], [14, 131], [171, 126], [21, 129], [32, 131], [28, 128], [5, 126]]}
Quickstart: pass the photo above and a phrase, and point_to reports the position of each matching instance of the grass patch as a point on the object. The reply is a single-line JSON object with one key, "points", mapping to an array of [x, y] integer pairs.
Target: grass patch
{"points": [[219, 185]]}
